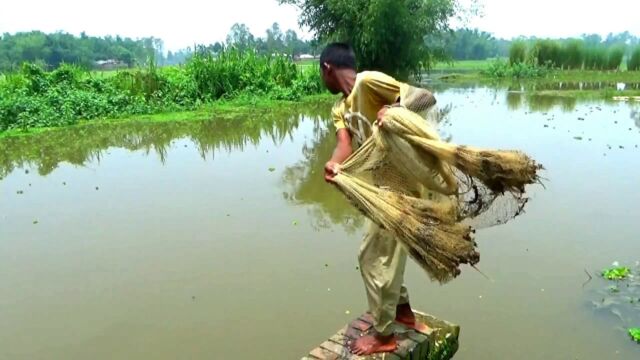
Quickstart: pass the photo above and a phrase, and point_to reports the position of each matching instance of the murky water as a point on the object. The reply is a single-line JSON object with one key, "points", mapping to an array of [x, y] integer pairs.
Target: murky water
{"points": [[220, 240]]}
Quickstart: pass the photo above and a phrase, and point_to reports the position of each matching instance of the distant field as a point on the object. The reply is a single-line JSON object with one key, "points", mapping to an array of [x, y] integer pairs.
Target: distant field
{"points": [[465, 64]]}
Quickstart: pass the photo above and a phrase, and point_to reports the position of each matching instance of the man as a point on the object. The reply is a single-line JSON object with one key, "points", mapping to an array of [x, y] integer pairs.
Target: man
{"points": [[382, 259]]}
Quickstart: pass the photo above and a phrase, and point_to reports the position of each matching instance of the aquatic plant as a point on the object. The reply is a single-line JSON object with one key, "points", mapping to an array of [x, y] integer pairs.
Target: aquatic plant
{"points": [[616, 273], [635, 334]]}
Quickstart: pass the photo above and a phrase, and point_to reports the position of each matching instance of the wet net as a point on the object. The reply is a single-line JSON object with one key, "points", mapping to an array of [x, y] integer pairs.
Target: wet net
{"points": [[431, 194]]}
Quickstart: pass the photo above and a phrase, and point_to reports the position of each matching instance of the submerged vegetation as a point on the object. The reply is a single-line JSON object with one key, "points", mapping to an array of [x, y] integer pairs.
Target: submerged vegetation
{"points": [[34, 97]]}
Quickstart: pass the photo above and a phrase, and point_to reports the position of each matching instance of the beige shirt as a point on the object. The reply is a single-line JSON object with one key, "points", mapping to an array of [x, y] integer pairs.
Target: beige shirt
{"points": [[371, 91]]}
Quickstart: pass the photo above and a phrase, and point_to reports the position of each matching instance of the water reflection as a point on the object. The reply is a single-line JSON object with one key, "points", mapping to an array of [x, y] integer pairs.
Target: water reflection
{"points": [[304, 183], [83, 144]]}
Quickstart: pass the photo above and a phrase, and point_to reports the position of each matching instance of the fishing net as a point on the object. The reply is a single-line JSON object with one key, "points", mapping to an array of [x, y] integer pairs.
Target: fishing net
{"points": [[428, 193]]}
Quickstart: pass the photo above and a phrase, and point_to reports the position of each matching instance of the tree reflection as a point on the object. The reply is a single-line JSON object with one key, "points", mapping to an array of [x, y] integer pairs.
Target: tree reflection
{"points": [[85, 144], [304, 183]]}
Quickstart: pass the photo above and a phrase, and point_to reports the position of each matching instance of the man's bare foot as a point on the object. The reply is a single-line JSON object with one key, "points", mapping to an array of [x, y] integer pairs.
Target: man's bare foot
{"points": [[372, 344], [405, 316]]}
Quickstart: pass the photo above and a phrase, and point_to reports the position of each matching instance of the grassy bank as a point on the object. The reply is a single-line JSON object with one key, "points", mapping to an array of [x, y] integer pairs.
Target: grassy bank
{"points": [[550, 76], [34, 98], [464, 65], [222, 110]]}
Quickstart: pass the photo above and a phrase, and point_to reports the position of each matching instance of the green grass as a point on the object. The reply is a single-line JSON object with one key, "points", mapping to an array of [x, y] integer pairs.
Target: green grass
{"points": [[553, 76], [587, 94], [464, 65]]}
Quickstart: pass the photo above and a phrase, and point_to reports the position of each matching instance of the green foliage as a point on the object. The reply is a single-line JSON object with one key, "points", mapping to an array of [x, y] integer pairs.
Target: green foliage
{"points": [[615, 56], [59, 48], [387, 35], [633, 63], [37, 98], [520, 70], [547, 53], [616, 273], [572, 54], [467, 44], [635, 334], [517, 52], [595, 57]]}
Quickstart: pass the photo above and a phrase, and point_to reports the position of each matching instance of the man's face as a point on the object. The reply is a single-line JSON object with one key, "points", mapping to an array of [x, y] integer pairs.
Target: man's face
{"points": [[328, 74]]}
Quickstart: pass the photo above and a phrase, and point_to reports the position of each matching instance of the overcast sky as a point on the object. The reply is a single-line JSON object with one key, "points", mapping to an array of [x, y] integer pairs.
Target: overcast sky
{"points": [[185, 22]]}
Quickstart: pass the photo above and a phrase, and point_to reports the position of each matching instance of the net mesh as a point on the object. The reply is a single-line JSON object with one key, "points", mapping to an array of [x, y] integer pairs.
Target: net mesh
{"points": [[432, 194]]}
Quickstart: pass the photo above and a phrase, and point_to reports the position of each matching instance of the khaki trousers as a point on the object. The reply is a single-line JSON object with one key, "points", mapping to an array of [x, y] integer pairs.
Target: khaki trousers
{"points": [[382, 262]]}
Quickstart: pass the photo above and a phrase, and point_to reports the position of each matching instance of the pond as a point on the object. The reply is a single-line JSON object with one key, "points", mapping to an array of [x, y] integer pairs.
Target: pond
{"points": [[220, 239]]}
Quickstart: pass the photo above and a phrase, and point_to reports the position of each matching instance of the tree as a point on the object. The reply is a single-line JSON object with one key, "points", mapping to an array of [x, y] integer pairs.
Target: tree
{"points": [[387, 35], [275, 39], [217, 47], [240, 37]]}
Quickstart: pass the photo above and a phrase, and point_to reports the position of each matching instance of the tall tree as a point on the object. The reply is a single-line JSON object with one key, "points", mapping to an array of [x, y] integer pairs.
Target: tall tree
{"points": [[275, 39], [387, 35], [240, 37]]}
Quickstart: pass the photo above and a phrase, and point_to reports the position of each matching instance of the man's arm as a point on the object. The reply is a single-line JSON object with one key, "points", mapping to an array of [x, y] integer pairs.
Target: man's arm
{"points": [[340, 154]]}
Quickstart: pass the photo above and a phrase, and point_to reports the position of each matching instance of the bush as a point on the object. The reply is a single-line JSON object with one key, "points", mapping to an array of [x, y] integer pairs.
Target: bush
{"points": [[501, 69], [36, 98], [572, 54], [633, 63], [614, 57], [595, 58], [517, 52], [547, 53]]}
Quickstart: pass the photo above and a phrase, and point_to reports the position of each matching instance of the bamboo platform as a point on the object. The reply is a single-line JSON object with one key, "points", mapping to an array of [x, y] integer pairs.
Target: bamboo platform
{"points": [[439, 343]]}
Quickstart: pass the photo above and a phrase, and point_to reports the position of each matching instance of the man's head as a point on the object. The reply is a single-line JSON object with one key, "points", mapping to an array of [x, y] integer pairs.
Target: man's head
{"points": [[336, 60]]}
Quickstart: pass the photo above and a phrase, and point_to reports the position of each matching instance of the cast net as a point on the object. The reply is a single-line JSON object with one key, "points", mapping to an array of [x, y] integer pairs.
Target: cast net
{"points": [[431, 194]]}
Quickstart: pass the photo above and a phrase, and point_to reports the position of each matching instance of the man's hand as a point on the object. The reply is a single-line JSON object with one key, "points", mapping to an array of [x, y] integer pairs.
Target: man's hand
{"points": [[330, 170], [383, 111]]}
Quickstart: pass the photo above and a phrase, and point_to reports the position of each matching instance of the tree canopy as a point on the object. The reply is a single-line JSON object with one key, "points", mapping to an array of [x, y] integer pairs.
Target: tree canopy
{"points": [[57, 48], [396, 36]]}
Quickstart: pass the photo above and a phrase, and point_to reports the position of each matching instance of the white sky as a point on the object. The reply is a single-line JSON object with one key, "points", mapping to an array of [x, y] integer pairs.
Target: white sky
{"points": [[185, 22]]}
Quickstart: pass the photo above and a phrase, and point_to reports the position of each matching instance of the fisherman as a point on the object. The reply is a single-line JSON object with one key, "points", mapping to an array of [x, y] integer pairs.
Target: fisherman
{"points": [[382, 258]]}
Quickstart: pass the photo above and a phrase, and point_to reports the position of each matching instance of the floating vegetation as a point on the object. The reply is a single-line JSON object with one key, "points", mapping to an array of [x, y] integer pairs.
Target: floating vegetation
{"points": [[616, 273], [621, 300]]}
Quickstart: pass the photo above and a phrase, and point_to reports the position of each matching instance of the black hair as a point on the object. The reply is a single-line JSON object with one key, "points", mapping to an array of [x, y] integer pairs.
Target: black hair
{"points": [[340, 55]]}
